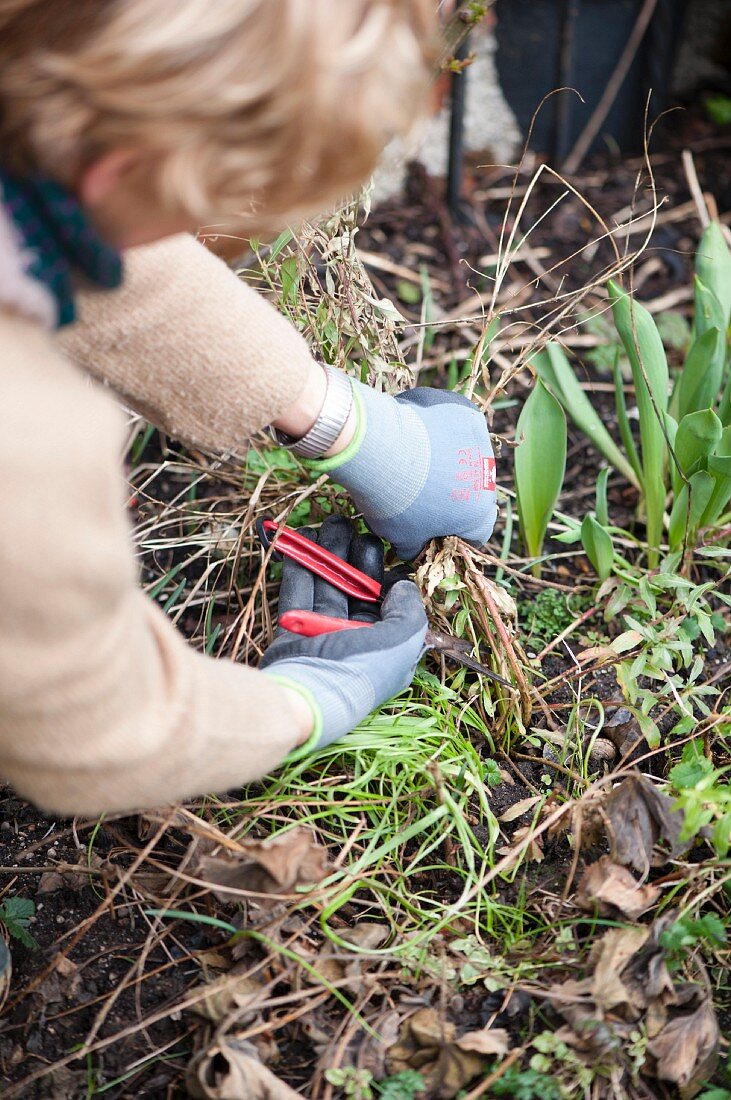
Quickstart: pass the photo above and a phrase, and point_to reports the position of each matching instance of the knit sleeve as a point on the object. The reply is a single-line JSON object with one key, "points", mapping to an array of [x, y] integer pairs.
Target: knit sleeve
{"points": [[103, 704], [190, 346]]}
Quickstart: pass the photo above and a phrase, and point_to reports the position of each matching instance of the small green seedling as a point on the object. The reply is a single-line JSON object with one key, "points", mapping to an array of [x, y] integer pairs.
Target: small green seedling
{"points": [[15, 915]]}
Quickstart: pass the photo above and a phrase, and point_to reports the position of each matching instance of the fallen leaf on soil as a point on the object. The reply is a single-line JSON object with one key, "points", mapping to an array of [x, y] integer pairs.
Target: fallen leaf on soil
{"points": [[534, 848], [273, 866], [613, 953], [639, 816], [519, 808], [429, 1045], [63, 983], [232, 993], [334, 963], [369, 1052], [488, 1040], [648, 979], [605, 885], [630, 985], [231, 1070], [64, 1082], [365, 1051], [68, 877], [213, 958], [596, 653], [629, 976], [686, 1050]]}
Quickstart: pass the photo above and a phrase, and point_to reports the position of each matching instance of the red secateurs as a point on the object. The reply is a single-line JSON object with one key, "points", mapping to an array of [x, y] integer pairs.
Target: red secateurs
{"points": [[356, 584]]}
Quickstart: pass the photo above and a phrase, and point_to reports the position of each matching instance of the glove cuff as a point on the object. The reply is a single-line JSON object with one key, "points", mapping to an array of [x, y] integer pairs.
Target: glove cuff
{"points": [[313, 740]]}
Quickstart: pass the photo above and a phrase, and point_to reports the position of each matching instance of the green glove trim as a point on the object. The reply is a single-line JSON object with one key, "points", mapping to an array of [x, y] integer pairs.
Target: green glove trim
{"points": [[324, 465], [311, 743]]}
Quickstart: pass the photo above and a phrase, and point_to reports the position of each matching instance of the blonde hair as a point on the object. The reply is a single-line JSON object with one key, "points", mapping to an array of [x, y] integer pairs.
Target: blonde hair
{"points": [[266, 108]]}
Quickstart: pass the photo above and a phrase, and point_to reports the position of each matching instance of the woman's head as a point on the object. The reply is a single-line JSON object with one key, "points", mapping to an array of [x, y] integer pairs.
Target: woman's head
{"points": [[200, 111]]}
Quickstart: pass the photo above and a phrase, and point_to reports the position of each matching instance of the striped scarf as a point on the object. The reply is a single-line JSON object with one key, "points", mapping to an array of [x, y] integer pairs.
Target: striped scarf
{"points": [[57, 240]]}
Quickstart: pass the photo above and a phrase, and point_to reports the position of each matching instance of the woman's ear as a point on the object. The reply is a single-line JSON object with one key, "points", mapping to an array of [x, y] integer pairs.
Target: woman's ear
{"points": [[117, 192], [100, 179]]}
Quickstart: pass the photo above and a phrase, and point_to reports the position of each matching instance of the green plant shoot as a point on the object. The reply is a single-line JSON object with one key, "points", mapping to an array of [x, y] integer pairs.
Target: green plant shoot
{"points": [[540, 463]]}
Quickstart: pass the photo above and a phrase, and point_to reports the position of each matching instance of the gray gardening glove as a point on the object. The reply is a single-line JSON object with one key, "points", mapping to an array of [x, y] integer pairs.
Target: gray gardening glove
{"points": [[420, 465], [346, 675]]}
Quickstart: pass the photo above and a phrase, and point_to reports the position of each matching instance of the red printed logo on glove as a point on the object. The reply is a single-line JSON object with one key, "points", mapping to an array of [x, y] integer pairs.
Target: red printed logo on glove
{"points": [[488, 474], [475, 474]]}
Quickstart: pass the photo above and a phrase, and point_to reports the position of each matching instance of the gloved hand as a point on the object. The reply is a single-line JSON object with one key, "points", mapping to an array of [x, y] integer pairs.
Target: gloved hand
{"points": [[346, 675], [420, 465]]}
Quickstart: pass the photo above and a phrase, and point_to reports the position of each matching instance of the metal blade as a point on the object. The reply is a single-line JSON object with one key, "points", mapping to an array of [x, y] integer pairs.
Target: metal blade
{"points": [[450, 647]]}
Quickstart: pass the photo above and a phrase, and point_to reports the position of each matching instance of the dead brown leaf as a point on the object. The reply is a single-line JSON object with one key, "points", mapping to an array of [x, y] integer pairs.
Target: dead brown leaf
{"points": [[429, 1045], [639, 816], [366, 1050], [235, 992], [687, 1050], [610, 957], [630, 983], [63, 1082], [608, 886], [63, 983], [533, 851], [213, 958], [648, 978], [488, 1040], [519, 808], [68, 876], [334, 964], [274, 866], [231, 1070]]}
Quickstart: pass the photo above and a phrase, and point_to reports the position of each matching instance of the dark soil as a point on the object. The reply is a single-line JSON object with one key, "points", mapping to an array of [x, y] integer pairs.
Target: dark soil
{"points": [[49, 1015]]}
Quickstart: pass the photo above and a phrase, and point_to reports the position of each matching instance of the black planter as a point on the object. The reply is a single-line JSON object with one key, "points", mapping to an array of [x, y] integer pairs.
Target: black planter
{"points": [[548, 44]]}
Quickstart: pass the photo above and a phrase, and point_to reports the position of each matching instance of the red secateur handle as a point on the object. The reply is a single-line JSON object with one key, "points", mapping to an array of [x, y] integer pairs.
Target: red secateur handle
{"points": [[309, 624], [321, 562]]}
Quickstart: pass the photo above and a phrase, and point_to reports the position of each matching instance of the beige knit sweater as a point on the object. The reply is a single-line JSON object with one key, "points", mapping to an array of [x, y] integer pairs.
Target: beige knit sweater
{"points": [[103, 705]]}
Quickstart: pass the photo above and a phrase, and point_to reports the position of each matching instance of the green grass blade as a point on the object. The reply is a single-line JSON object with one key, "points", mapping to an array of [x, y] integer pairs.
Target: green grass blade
{"points": [[553, 368], [540, 463], [646, 354], [195, 918]]}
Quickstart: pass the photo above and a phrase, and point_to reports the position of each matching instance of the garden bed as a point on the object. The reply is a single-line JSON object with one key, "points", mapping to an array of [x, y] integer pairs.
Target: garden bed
{"points": [[456, 940]]}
